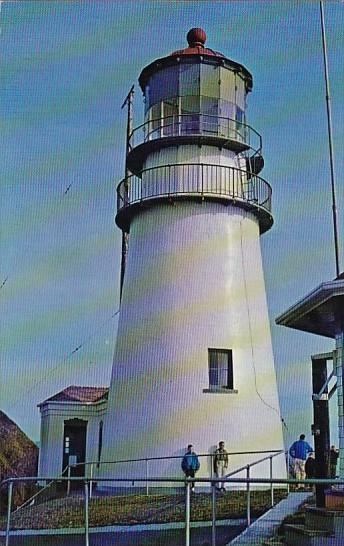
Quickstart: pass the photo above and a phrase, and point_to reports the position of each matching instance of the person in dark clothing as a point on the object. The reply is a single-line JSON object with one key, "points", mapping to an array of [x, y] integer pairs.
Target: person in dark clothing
{"points": [[334, 454], [190, 464], [310, 467]]}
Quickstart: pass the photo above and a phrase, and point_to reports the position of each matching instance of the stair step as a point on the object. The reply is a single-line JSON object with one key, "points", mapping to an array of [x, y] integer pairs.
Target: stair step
{"points": [[302, 530], [323, 519]]}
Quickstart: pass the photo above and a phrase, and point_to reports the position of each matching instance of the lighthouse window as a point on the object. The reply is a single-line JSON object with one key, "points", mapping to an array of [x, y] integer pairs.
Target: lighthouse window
{"points": [[220, 363]]}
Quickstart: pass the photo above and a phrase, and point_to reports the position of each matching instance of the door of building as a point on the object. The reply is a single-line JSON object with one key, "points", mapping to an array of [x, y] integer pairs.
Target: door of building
{"points": [[74, 445]]}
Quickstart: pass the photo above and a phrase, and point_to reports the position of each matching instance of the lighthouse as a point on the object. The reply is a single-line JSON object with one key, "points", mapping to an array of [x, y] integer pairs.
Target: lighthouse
{"points": [[193, 362]]}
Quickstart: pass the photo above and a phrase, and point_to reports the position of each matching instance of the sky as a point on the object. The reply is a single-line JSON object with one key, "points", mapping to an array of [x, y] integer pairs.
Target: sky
{"points": [[66, 69]]}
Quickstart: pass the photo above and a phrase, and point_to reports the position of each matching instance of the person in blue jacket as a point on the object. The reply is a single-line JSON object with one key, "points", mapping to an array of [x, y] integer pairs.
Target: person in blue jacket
{"points": [[190, 464], [299, 451]]}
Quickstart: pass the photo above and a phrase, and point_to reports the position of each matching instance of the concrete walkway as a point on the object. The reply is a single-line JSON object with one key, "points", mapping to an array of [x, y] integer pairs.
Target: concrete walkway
{"points": [[265, 526]]}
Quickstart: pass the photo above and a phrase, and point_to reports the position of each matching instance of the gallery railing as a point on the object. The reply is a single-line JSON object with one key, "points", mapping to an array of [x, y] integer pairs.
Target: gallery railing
{"points": [[197, 124], [195, 179]]}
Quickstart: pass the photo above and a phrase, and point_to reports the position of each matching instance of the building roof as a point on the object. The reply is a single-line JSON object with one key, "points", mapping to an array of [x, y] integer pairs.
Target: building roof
{"points": [[320, 312], [82, 395]]}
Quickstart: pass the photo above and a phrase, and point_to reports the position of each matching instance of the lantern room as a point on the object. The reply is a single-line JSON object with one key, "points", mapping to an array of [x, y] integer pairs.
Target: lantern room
{"points": [[196, 91]]}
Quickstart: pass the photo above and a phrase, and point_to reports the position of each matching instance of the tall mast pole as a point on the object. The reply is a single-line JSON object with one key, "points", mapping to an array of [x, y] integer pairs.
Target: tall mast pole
{"points": [[125, 235], [329, 127]]}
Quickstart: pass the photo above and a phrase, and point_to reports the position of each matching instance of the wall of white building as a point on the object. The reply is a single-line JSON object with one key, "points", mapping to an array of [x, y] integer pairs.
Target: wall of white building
{"points": [[53, 416]]}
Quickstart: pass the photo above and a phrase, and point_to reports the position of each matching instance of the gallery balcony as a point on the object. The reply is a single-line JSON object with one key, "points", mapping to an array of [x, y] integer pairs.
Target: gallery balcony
{"points": [[195, 128], [194, 181]]}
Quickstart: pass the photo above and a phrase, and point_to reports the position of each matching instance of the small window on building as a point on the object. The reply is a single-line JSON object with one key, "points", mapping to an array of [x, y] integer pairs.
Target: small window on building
{"points": [[220, 363]]}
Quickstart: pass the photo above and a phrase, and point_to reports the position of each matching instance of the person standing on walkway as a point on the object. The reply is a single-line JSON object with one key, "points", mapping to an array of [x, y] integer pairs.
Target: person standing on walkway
{"points": [[190, 464], [221, 464], [310, 467], [334, 454], [299, 451]]}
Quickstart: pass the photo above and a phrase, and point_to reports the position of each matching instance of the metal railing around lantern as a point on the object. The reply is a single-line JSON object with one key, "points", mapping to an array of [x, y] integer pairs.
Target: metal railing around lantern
{"points": [[197, 124]]}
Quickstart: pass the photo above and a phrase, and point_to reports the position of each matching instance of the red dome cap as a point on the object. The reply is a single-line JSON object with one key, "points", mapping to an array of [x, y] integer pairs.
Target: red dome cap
{"points": [[196, 36]]}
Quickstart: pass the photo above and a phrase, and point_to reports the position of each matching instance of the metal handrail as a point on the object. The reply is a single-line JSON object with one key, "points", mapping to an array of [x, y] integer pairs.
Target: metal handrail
{"points": [[186, 481], [157, 479], [166, 457], [38, 493], [254, 463], [195, 179], [92, 478], [179, 127]]}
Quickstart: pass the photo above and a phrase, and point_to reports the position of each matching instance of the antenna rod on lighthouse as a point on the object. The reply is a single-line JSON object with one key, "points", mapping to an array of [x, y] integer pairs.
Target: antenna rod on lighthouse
{"points": [[125, 235], [329, 127]]}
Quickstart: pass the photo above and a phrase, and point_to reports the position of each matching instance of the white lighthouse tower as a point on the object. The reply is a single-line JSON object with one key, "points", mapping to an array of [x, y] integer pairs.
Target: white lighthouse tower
{"points": [[193, 361]]}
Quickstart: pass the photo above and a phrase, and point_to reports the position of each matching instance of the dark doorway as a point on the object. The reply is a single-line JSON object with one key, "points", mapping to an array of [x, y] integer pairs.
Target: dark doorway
{"points": [[74, 445]]}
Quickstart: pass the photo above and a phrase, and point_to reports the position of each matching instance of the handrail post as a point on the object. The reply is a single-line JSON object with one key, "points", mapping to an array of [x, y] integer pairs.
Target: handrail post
{"points": [[169, 180], [248, 509], [68, 483], [272, 485], [9, 505], [147, 476], [202, 174], [288, 471], [187, 513], [213, 514], [91, 482], [86, 515]]}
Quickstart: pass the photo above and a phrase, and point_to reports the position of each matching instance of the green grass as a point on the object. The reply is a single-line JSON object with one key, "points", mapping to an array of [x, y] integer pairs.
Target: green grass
{"points": [[135, 509]]}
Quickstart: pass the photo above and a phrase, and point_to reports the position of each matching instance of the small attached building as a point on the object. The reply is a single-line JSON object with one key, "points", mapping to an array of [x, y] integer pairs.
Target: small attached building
{"points": [[71, 425]]}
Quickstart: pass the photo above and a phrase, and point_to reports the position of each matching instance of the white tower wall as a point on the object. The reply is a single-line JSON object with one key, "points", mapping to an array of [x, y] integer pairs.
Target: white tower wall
{"points": [[194, 281]]}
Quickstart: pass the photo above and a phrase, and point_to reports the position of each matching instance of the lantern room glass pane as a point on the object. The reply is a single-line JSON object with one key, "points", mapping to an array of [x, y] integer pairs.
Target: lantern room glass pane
{"points": [[190, 118], [210, 76], [170, 116], [210, 112], [162, 84], [240, 97], [227, 85], [154, 125], [227, 122], [190, 104], [189, 79], [240, 120]]}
